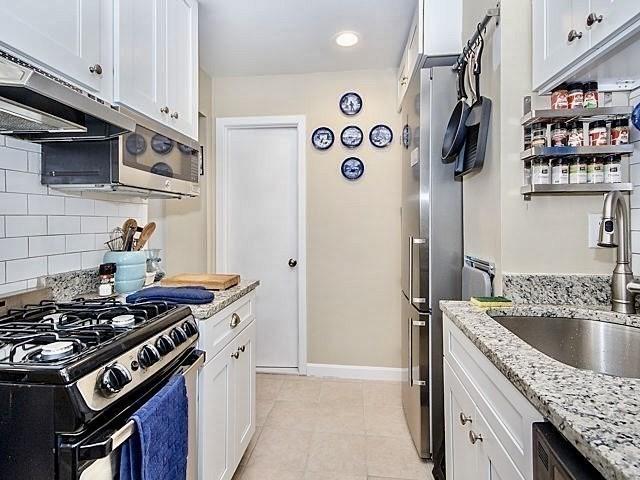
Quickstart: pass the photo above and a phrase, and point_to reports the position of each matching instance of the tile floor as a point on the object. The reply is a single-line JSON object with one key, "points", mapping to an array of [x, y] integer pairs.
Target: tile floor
{"points": [[326, 429]]}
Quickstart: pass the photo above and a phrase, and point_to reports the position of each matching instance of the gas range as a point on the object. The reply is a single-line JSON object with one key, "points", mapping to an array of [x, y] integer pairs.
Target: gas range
{"points": [[69, 370]]}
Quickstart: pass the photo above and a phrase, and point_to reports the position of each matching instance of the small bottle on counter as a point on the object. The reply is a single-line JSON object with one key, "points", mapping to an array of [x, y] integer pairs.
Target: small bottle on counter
{"points": [[107, 272], [578, 170], [559, 134], [575, 137], [539, 135], [575, 98], [590, 95], [560, 97], [598, 135], [559, 171], [612, 169], [540, 172], [595, 170], [620, 131], [527, 138], [526, 173]]}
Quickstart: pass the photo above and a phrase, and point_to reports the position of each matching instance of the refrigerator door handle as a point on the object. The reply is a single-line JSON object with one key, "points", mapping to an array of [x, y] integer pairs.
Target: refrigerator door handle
{"points": [[414, 323], [412, 242]]}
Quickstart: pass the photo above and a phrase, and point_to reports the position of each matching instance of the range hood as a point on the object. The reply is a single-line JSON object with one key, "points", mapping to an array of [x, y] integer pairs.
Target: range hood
{"points": [[38, 107]]}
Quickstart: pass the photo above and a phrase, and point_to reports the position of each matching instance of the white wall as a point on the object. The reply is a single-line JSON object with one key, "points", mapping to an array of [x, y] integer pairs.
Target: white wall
{"points": [[45, 231]]}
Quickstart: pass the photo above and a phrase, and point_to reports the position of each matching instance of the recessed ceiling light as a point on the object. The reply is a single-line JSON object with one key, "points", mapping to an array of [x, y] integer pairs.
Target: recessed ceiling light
{"points": [[347, 39]]}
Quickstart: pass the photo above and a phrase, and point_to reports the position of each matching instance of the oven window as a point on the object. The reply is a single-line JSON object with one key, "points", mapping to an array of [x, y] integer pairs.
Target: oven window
{"points": [[151, 152]]}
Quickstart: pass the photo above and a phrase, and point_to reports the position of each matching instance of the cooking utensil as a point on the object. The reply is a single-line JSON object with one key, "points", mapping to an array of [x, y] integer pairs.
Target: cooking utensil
{"points": [[130, 227], [146, 233], [455, 132], [211, 281], [477, 123], [115, 242]]}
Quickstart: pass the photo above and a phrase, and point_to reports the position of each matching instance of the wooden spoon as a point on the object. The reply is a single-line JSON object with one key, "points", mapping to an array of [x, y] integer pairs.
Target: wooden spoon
{"points": [[130, 227], [147, 231]]}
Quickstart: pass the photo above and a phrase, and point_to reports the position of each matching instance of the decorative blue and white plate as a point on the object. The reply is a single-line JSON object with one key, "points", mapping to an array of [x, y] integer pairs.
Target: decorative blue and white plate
{"points": [[351, 136], [351, 103], [352, 168], [380, 136], [406, 136], [322, 138]]}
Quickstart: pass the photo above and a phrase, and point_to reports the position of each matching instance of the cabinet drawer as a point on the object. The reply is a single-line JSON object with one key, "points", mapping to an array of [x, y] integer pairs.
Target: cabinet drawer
{"points": [[224, 326], [507, 412]]}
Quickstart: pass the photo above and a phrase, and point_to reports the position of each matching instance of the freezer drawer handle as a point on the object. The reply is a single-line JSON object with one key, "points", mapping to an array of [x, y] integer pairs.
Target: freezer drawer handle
{"points": [[414, 241], [414, 323]]}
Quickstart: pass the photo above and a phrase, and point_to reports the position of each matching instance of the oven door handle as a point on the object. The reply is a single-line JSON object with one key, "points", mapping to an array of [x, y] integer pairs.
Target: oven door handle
{"points": [[103, 448]]}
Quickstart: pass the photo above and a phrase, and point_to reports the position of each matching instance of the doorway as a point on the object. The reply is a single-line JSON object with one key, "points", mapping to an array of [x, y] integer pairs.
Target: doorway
{"points": [[261, 228]]}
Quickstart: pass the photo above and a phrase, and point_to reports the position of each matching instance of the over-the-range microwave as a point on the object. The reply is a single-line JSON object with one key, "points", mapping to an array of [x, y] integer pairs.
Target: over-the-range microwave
{"points": [[152, 161]]}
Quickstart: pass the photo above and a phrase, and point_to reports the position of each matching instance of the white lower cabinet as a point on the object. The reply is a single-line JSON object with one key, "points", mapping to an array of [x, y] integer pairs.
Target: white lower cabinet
{"points": [[488, 423], [227, 396]]}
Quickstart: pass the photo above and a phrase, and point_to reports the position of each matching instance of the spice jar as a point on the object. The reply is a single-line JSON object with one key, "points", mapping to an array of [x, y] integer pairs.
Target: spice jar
{"points": [[107, 273], [559, 171], [590, 99], [560, 97], [612, 169], [578, 170], [575, 134], [558, 134], [595, 170], [527, 138], [620, 132], [526, 173], [576, 95], [539, 135], [540, 171], [598, 133]]}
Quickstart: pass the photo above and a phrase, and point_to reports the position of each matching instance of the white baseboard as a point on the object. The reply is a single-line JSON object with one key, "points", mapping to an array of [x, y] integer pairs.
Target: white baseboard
{"points": [[279, 370], [354, 372]]}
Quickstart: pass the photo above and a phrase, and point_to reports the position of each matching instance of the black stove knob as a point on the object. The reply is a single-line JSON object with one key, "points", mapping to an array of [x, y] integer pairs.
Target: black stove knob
{"points": [[113, 379], [190, 328], [164, 344], [148, 355], [178, 335]]}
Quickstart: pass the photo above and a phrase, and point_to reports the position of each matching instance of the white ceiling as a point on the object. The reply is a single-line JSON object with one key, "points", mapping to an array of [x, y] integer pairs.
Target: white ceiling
{"points": [[265, 37]]}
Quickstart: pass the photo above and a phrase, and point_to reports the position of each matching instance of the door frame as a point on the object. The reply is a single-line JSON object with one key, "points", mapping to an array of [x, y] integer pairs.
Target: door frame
{"points": [[224, 125]]}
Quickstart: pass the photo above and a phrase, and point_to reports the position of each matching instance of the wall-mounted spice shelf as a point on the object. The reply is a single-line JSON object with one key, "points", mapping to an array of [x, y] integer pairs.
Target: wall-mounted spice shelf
{"points": [[580, 114], [575, 188], [599, 151]]}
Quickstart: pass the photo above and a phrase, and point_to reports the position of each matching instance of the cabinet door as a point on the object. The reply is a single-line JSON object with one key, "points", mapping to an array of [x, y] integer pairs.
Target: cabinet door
{"points": [[139, 34], [216, 410], [182, 65], [461, 455], [244, 373], [493, 461], [60, 35], [553, 23], [608, 16]]}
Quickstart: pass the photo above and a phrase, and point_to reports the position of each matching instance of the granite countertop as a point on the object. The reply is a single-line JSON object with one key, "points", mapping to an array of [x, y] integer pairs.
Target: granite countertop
{"points": [[599, 414], [224, 298]]}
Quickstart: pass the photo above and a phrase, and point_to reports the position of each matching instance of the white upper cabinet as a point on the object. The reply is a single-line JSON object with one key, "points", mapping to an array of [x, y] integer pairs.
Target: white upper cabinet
{"points": [[139, 57], [574, 37], [62, 36], [182, 65], [156, 69]]}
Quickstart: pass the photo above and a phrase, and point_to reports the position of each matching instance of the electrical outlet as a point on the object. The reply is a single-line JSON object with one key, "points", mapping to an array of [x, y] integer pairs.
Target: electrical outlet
{"points": [[594, 229]]}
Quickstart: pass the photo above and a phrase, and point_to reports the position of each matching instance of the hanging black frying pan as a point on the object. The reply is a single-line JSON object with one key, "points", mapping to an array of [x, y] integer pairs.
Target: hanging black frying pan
{"points": [[455, 132], [477, 124]]}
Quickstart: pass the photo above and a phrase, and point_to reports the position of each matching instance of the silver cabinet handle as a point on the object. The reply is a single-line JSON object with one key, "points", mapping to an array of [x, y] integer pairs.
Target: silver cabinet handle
{"points": [[293, 262], [574, 35], [412, 242], [242, 348], [235, 354], [414, 323], [174, 115], [164, 109], [464, 419], [97, 69], [235, 320], [403, 81], [474, 437], [594, 18]]}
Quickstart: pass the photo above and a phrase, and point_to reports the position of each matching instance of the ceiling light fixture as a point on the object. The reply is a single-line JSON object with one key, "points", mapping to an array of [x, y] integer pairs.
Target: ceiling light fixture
{"points": [[347, 39]]}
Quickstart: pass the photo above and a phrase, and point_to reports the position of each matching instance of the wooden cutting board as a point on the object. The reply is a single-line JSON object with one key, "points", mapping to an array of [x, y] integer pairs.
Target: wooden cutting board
{"points": [[210, 281]]}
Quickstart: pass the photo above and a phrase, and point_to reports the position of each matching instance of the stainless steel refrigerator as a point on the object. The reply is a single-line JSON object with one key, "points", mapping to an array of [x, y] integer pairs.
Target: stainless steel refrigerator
{"points": [[432, 256]]}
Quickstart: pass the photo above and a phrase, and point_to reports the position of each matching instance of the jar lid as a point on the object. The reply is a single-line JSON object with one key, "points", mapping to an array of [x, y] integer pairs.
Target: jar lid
{"points": [[611, 159], [538, 126], [559, 88], [559, 125], [590, 86], [575, 86], [598, 124], [620, 122], [107, 269], [574, 124]]}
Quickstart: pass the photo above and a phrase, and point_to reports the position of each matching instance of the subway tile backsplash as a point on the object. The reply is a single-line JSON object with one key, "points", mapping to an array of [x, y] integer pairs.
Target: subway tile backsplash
{"points": [[44, 231]]}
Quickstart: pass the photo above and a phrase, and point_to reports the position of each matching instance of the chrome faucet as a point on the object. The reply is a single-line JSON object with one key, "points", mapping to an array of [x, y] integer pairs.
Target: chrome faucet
{"points": [[615, 231]]}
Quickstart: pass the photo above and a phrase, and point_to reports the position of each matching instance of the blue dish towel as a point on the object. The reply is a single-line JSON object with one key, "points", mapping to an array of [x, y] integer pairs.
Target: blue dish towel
{"points": [[186, 295], [158, 448]]}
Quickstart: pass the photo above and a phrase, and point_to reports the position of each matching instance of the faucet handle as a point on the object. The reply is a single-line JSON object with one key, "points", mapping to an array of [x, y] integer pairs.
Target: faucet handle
{"points": [[633, 286]]}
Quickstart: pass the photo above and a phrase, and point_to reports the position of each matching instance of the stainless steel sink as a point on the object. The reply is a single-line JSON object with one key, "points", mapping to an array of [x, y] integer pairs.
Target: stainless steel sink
{"points": [[587, 344]]}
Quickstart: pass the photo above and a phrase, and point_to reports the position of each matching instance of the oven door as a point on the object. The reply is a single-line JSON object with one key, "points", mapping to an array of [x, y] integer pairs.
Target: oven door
{"points": [[97, 456]]}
